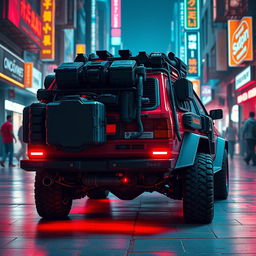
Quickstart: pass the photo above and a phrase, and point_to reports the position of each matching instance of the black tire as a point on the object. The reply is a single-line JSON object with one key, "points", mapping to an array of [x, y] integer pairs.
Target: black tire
{"points": [[221, 180], [53, 201], [98, 194], [198, 191]]}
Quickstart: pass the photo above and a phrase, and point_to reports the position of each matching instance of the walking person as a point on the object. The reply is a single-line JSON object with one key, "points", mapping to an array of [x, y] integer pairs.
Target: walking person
{"points": [[249, 134], [22, 151], [8, 137], [231, 135], [242, 142]]}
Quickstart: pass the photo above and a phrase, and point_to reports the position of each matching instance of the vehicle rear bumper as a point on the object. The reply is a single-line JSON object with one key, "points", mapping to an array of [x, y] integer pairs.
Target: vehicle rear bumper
{"points": [[100, 165]]}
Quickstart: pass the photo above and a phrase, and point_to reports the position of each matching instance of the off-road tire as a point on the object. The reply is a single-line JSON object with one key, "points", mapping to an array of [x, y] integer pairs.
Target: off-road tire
{"points": [[52, 202], [198, 191], [221, 180], [98, 194]]}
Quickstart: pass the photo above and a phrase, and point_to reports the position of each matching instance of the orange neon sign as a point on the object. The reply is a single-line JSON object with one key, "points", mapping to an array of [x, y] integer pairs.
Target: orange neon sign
{"points": [[48, 31], [28, 74], [240, 41]]}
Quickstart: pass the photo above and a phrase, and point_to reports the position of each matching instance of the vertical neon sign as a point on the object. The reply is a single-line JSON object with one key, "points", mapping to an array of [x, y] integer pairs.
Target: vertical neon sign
{"points": [[93, 25], [191, 14], [116, 22], [48, 30]]}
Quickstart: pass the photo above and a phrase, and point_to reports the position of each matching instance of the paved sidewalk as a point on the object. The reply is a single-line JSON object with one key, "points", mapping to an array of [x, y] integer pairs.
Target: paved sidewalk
{"points": [[149, 225]]}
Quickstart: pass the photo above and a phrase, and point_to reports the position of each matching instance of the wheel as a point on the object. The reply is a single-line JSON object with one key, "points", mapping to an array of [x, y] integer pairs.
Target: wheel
{"points": [[98, 194], [52, 200], [221, 180], [198, 191]]}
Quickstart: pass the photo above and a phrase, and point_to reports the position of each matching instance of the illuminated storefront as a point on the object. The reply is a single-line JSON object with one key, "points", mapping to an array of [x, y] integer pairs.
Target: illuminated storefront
{"points": [[245, 84], [14, 77]]}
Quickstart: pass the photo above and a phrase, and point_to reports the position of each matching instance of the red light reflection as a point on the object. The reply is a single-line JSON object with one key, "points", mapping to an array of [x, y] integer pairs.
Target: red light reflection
{"points": [[99, 219], [101, 226]]}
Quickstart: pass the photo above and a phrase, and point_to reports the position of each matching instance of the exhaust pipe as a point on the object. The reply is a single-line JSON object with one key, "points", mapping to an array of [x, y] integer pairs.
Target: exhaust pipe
{"points": [[47, 181]]}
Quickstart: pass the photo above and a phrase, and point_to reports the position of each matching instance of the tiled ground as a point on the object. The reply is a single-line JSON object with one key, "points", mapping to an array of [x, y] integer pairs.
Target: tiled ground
{"points": [[149, 225]]}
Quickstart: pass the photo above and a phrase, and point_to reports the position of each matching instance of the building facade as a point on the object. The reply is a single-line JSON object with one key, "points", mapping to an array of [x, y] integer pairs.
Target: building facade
{"points": [[228, 57]]}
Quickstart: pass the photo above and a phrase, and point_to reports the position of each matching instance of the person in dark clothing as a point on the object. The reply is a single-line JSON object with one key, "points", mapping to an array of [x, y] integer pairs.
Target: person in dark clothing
{"points": [[249, 134], [8, 137], [231, 135]]}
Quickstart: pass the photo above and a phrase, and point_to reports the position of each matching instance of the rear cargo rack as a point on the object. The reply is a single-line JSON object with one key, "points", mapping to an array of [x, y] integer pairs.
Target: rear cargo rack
{"points": [[122, 77]]}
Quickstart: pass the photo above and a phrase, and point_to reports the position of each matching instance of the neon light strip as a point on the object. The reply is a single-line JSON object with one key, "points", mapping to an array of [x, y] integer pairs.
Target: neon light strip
{"points": [[11, 80], [36, 153], [160, 153]]}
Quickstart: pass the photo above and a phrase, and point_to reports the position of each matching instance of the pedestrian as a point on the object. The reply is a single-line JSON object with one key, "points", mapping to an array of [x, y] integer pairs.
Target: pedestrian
{"points": [[8, 137], [231, 135], [249, 134], [242, 142], [22, 151]]}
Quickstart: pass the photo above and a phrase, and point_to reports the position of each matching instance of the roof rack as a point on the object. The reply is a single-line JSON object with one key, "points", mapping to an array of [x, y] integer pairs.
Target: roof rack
{"points": [[176, 67]]}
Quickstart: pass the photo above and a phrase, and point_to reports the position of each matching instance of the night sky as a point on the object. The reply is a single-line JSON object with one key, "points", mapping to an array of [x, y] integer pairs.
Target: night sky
{"points": [[146, 25]]}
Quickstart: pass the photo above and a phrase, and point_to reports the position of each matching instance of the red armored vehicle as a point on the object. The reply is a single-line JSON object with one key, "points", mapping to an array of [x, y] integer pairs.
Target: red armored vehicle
{"points": [[124, 125]]}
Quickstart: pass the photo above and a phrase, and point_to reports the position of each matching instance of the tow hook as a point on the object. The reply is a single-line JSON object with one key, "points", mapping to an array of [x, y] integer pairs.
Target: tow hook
{"points": [[47, 181]]}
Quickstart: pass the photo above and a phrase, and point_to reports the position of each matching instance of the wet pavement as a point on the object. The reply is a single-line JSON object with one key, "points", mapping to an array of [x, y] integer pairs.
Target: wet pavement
{"points": [[149, 225]]}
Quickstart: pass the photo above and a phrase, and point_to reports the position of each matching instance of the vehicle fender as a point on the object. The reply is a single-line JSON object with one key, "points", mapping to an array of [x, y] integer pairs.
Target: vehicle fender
{"points": [[188, 150], [221, 144]]}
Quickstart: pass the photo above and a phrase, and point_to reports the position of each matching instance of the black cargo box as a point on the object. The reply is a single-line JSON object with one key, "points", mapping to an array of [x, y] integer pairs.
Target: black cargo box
{"points": [[68, 75], [74, 123]]}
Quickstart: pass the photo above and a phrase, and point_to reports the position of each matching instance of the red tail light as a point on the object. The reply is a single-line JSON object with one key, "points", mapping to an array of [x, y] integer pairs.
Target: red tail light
{"points": [[160, 153], [36, 153], [160, 126]]}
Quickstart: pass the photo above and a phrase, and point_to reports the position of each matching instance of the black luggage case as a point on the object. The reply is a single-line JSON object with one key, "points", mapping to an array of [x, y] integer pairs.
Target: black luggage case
{"points": [[75, 123]]}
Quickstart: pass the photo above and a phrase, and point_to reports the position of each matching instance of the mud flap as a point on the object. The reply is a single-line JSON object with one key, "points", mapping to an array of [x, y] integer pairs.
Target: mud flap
{"points": [[220, 148], [188, 150]]}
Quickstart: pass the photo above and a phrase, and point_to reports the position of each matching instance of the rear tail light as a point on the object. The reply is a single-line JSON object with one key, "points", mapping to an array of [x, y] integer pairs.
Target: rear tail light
{"points": [[161, 128], [160, 153], [36, 153]]}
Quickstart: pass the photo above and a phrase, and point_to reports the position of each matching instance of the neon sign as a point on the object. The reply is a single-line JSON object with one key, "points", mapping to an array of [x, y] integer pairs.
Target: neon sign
{"points": [[48, 41], [116, 22], [191, 14], [247, 95], [21, 14], [31, 18], [192, 52], [240, 41]]}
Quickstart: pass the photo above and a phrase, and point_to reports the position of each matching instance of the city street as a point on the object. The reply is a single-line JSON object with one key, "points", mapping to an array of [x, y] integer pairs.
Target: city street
{"points": [[149, 225]]}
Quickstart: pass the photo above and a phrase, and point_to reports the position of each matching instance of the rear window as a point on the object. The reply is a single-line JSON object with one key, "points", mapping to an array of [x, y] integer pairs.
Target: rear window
{"points": [[151, 91]]}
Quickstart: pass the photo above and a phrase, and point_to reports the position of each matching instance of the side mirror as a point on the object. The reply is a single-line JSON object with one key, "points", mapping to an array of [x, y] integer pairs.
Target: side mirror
{"points": [[216, 114], [183, 89]]}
